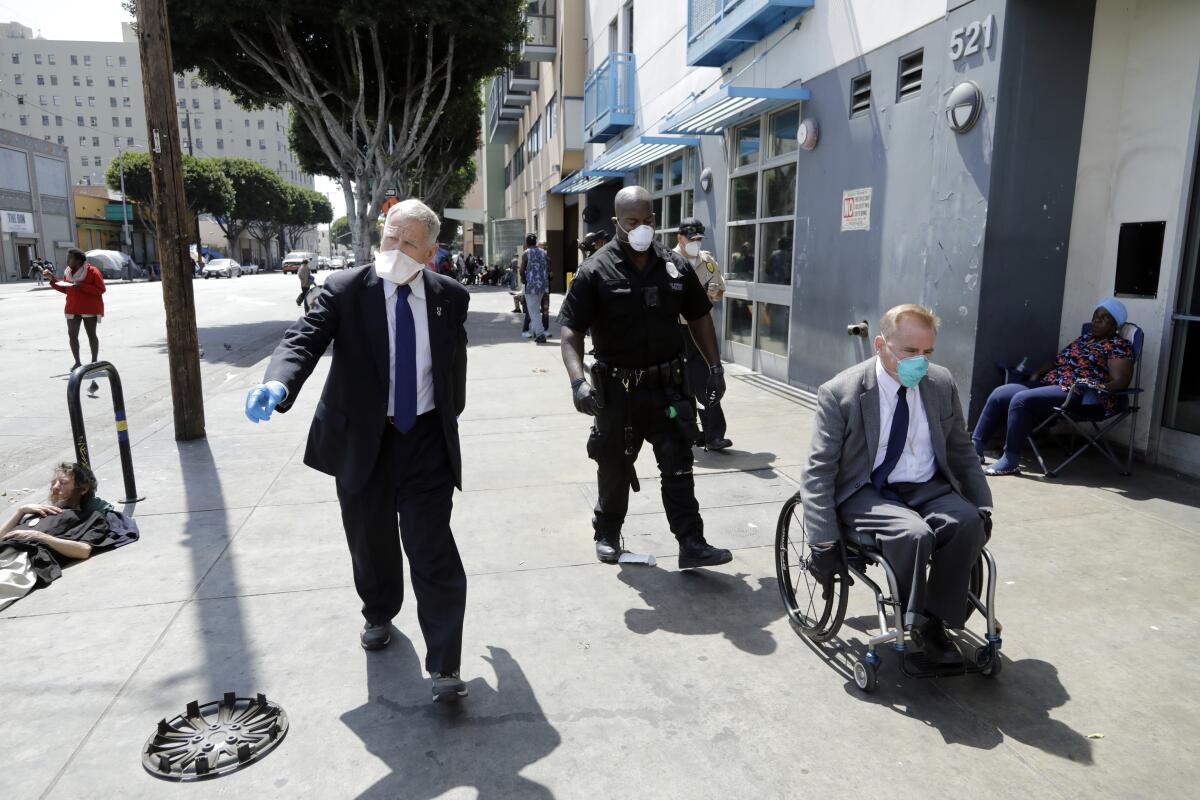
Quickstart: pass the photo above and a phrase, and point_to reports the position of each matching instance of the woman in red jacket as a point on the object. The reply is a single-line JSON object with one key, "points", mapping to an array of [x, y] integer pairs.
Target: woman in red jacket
{"points": [[85, 304]]}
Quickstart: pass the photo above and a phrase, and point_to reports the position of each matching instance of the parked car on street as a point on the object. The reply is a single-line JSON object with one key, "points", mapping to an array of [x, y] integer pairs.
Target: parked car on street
{"points": [[337, 262], [222, 268], [292, 261], [114, 264], [250, 269], [322, 262]]}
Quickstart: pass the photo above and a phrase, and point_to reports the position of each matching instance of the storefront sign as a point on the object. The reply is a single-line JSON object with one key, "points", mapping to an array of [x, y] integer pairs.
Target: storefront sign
{"points": [[16, 222], [856, 209]]}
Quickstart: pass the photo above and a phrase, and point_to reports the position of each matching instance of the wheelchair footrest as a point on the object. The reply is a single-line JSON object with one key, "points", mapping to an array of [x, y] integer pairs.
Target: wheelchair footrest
{"points": [[917, 665]]}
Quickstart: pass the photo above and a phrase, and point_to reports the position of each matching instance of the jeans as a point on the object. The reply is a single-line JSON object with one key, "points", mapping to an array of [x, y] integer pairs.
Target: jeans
{"points": [[533, 302], [1023, 405]]}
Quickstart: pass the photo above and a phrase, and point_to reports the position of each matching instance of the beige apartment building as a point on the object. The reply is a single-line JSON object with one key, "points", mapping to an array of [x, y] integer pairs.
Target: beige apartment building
{"points": [[536, 112]]}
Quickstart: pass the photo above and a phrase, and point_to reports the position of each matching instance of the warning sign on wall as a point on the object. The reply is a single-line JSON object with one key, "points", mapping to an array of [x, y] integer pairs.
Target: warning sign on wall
{"points": [[856, 209]]}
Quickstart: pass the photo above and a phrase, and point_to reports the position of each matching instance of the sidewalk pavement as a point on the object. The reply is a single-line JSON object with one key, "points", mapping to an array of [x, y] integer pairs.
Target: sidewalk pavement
{"points": [[589, 680]]}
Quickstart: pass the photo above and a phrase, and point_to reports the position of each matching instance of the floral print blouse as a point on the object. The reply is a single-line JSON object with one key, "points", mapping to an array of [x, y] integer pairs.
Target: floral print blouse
{"points": [[1085, 360]]}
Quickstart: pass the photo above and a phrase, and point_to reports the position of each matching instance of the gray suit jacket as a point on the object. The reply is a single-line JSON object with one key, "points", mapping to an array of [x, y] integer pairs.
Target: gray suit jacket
{"points": [[846, 439]]}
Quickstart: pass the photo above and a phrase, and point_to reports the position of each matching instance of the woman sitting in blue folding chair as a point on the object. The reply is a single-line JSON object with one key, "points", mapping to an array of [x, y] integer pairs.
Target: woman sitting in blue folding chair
{"points": [[1100, 359]]}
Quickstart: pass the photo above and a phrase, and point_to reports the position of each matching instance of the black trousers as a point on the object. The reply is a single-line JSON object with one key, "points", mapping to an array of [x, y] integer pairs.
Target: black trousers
{"points": [[412, 483], [648, 421], [712, 419]]}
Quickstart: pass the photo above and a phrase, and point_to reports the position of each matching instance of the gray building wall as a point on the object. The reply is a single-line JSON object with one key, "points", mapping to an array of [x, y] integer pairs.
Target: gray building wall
{"points": [[35, 177], [957, 220]]}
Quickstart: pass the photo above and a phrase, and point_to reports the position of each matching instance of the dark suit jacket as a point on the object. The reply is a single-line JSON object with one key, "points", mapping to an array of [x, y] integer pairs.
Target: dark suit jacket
{"points": [[348, 426], [846, 438]]}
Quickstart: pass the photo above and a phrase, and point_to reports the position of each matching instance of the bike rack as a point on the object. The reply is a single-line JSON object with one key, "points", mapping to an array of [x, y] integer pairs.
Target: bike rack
{"points": [[79, 436]]}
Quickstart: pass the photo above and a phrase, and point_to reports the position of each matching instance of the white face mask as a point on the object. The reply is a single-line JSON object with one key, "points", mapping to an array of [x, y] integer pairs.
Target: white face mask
{"points": [[396, 266], [692, 250], [640, 238]]}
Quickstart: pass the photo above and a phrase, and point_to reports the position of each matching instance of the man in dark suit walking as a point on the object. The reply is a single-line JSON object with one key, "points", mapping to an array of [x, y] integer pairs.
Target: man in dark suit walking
{"points": [[386, 428]]}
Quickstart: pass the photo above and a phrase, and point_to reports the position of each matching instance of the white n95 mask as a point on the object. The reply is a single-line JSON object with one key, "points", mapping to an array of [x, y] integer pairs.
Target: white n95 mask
{"points": [[396, 266], [641, 237], [692, 250]]}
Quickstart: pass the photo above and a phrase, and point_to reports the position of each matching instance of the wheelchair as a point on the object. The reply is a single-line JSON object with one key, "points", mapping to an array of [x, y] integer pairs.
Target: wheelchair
{"points": [[817, 615]]}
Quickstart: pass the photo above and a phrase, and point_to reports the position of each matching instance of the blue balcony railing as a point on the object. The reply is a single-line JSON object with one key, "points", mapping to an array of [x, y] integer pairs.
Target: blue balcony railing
{"points": [[608, 98], [720, 29]]}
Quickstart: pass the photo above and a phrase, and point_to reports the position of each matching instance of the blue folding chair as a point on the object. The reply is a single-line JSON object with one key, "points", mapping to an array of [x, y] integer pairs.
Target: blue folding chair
{"points": [[1087, 418]]}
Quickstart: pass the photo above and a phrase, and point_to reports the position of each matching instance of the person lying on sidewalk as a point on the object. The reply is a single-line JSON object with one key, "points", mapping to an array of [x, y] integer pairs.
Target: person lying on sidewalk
{"points": [[41, 538]]}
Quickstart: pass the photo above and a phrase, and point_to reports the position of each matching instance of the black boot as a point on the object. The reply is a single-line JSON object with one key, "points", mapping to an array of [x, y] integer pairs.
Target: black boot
{"points": [[608, 547], [695, 552], [935, 643]]}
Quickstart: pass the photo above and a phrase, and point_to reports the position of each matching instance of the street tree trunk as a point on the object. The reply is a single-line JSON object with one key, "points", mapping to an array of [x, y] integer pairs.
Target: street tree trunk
{"points": [[174, 220]]}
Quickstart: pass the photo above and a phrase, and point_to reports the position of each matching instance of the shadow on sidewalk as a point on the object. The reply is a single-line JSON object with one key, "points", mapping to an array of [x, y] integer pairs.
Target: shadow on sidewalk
{"points": [[228, 663], [242, 344], [970, 710], [482, 743], [704, 603]]}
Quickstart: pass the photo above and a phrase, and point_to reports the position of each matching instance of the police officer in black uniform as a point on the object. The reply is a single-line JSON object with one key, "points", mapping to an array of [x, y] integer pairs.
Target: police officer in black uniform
{"points": [[630, 295]]}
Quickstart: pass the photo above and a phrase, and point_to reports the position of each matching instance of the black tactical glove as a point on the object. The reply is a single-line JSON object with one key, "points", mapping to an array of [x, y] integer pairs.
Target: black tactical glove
{"points": [[584, 397], [714, 389], [823, 564]]}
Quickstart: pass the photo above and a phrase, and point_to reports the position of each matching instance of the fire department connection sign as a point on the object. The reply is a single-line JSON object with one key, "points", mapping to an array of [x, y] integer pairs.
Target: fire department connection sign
{"points": [[856, 209]]}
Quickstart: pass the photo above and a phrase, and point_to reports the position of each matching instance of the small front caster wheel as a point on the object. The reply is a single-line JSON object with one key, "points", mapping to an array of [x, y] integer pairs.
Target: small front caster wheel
{"points": [[865, 677], [988, 657]]}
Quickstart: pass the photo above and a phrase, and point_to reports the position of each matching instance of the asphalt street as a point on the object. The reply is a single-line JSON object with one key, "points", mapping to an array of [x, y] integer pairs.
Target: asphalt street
{"points": [[587, 680]]}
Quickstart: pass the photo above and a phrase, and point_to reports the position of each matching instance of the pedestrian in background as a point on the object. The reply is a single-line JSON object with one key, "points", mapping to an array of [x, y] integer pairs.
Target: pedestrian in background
{"points": [[37, 269], [306, 280], [535, 274], [712, 417], [84, 288]]}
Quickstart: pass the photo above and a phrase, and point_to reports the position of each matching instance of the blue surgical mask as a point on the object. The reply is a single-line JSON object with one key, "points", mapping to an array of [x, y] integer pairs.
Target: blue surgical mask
{"points": [[910, 369]]}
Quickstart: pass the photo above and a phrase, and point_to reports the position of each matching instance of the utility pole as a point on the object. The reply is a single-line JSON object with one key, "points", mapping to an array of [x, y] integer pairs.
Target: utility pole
{"points": [[171, 210], [199, 245]]}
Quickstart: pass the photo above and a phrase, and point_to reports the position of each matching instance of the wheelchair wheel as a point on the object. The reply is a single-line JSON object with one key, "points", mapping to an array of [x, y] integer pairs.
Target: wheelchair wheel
{"points": [[816, 613], [866, 677]]}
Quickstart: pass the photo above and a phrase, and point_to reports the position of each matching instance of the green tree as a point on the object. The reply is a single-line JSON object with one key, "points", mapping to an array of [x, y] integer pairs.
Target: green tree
{"points": [[350, 70], [305, 209], [258, 200], [208, 190]]}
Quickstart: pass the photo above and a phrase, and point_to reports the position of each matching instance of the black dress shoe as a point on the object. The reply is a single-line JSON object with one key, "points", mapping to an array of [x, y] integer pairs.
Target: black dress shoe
{"points": [[718, 444], [695, 552], [608, 547], [375, 637], [935, 643]]}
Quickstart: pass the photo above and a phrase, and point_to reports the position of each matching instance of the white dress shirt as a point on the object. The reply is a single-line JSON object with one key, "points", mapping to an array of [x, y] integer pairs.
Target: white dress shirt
{"points": [[917, 463], [416, 301]]}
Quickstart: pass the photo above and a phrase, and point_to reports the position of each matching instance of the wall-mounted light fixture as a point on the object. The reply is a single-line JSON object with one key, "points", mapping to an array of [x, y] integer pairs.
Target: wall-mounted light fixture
{"points": [[807, 134]]}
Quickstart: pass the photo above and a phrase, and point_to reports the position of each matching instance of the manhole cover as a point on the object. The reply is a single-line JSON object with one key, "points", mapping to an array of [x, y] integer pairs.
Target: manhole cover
{"points": [[215, 738]]}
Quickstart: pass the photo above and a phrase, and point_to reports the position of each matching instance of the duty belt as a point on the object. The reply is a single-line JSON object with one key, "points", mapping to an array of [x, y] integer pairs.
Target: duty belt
{"points": [[659, 376]]}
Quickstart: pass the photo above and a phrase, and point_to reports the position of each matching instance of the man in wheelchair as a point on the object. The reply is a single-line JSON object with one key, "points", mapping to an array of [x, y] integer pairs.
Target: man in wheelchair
{"points": [[891, 458]]}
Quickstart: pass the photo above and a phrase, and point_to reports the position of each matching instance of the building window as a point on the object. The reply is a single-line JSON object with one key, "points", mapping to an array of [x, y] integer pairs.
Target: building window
{"points": [[196, 103], [125, 102], [216, 104], [74, 61], [54, 80], [124, 82], [58, 121], [92, 121], [50, 59], [195, 83], [16, 59], [56, 100], [247, 121], [37, 58], [91, 102], [87, 61], [909, 75], [218, 124], [248, 145], [122, 61], [41, 99], [179, 82], [551, 117], [45, 120], [20, 99], [95, 141], [108, 61], [116, 122], [762, 200], [181, 103], [262, 124], [860, 95], [17, 79], [41, 80], [116, 141], [95, 161], [112, 83], [74, 80], [112, 102], [83, 161], [672, 195], [79, 121], [220, 144], [196, 123], [83, 141], [199, 144], [61, 140], [129, 122], [24, 118], [129, 141], [262, 144], [89, 80], [78, 101]]}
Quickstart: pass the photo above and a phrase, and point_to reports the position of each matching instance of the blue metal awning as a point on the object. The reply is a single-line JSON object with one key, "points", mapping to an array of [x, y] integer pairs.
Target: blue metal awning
{"points": [[642, 151], [729, 106], [583, 181]]}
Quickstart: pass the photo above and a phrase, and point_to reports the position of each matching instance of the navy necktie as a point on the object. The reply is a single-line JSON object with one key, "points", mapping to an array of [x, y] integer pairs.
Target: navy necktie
{"points": [[895, 443], [404, 387]]}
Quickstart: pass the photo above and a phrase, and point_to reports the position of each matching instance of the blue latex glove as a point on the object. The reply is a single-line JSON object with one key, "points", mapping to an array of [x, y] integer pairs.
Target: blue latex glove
{"points": [[262, 399]]}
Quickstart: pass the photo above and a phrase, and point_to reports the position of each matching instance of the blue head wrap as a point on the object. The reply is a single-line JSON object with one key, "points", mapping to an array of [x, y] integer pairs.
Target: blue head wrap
{"points": [[1116, 308]]}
